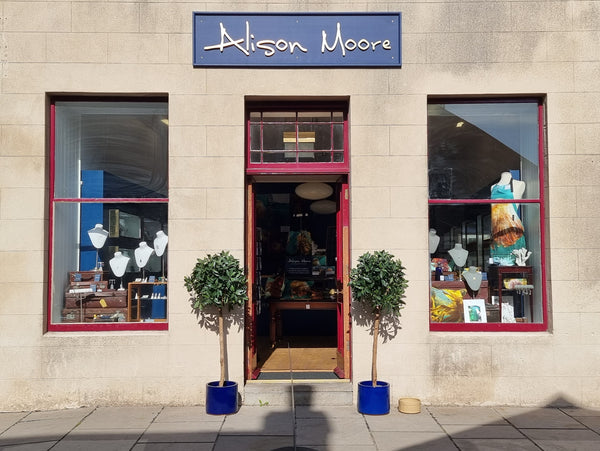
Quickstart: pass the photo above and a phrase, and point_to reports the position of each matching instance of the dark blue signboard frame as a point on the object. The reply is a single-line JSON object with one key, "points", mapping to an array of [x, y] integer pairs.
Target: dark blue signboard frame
{"points": [[297, 40]]}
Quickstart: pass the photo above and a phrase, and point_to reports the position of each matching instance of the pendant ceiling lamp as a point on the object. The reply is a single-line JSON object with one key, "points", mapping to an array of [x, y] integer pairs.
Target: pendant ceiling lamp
{"points": [[323, 207], [314, 190]]}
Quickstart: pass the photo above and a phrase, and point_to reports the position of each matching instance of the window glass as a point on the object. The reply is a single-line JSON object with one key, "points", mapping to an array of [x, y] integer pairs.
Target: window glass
{"points": [[109, 212], [485, 215]]}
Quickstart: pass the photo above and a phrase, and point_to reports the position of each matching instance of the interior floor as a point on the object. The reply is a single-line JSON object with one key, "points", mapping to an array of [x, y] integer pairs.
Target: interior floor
{"points": [[307, 353]]}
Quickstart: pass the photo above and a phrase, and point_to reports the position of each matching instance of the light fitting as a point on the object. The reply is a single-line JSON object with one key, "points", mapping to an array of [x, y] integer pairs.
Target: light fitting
{"points": [[314, 190], [323, 207]]}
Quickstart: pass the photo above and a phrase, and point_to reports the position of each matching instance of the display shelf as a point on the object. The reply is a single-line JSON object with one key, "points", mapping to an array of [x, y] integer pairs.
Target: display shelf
{"points": [[147, 301], [522, 295]]}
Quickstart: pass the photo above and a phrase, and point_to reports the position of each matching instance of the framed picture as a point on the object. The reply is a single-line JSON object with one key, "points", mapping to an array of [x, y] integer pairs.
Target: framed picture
{"points": [[474, 311]]}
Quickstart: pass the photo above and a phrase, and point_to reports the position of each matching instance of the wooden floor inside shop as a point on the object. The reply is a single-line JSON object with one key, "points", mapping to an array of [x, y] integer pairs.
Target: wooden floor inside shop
{"points": [[305, 353]]}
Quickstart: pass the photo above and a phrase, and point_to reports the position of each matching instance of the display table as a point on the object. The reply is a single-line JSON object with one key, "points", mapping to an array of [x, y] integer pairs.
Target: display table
{"points": [[275, 308], [521, 294]]}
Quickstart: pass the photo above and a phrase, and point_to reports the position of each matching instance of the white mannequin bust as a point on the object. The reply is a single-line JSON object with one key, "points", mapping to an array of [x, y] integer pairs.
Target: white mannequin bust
{"points": [[160, 243], [472, 278], [142, 254], [98, 236], [434, 241], [518, 186], [118, 264], [459, 255]]}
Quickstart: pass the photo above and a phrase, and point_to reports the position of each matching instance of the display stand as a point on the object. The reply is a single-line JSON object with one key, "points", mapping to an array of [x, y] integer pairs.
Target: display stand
{"points": [[147, 301], [499, 274]]}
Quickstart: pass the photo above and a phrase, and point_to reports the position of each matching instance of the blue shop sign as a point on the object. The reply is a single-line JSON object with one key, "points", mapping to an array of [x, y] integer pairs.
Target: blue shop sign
{"points": [[299, 40]]}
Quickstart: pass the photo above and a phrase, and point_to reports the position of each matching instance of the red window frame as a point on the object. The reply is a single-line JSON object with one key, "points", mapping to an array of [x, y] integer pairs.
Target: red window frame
{"points": [[507, 327], [296, 167], [53, 201]]}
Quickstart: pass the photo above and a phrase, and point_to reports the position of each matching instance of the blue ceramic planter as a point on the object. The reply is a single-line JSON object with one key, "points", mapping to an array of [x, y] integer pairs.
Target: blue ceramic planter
{"points": [[221, 400], [373, 400]]}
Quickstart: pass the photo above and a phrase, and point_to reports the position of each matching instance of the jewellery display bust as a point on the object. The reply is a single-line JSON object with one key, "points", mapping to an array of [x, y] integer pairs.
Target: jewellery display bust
{"points": [[118, 264], [160, 243], [142, 254]]}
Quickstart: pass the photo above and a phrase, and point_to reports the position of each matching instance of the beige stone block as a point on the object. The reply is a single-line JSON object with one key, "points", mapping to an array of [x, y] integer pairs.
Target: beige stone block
{"points": [[227, 203], [22, 267], [456, 47], [76, 47], [166, 17], [187, 141], [389, 234], [541, 16], [22, 298], [369, 140], [415, 353], [22, 330], [577, 297], [573, 45], [371, 202], [138, 48], [587, 137], [414, 47], [390, 109], [206, 110], [587, 76], [22, 140], [562, 139], [187, 203], [180, 49], [578, 170], [225, 141], [213, 234], [582, 360], [573, 107], [544, 390], [206, 172], [109, 391], [37, 16], [22, 109], [409, 202], [507, 360], [20, 362], [25, 47], [470, 359], [22, 235], [22, 172], [590, 333], [585, 264], [121, 17], [562, 201], [389, 171], [567, 329], [564, 264], [587, 201], [511, 47], [409, 140]]}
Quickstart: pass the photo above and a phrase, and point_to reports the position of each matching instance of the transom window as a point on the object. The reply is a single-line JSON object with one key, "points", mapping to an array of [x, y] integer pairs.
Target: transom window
{"points": [[288, 140]]}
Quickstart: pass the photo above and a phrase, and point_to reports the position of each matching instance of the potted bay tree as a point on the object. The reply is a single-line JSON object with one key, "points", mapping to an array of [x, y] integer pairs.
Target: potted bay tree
{"points": [[378, 283], [218, 283]]}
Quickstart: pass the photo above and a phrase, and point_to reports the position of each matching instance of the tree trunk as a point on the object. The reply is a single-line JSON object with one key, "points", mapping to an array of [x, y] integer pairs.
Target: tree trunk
{"points": [[375, 339], [222, 348]]}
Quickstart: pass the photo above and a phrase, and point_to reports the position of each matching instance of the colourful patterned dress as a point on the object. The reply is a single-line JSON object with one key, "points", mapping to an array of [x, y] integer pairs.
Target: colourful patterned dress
{"points": [[507, 228]]}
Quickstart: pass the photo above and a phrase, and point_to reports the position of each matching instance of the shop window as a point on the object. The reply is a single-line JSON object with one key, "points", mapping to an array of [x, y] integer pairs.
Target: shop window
{"points": [[310, 139], [108, 214], [486, 215]]}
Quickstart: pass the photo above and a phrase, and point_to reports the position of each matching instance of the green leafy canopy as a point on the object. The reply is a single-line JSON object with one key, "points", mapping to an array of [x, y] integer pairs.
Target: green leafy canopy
{"points": [[217, 280], [378, 281]]}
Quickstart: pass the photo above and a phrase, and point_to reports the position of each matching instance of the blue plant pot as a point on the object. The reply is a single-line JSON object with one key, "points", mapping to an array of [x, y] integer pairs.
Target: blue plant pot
{"points": [[221, 400], [373, 400]]}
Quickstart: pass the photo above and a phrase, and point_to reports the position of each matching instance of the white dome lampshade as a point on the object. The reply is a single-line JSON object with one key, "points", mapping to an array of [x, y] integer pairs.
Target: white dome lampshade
{"points": [[314, 190], [323, 207]]}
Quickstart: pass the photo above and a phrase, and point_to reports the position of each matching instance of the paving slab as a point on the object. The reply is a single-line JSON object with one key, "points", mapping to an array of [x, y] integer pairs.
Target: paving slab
{"points": [[484, 431], [327, 431], [414, 441], [181, 432], [538, 417], [396, 421], [256, 420], [470, 415], [120, 418], [496, 445]]}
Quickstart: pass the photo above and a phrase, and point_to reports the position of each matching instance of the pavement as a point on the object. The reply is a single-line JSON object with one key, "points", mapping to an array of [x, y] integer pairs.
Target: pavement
{"points": [[302, 428]]}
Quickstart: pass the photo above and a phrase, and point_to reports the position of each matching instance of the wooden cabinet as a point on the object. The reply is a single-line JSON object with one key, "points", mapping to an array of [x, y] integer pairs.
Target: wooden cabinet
{"points": [[147, 301], [516, 283]]}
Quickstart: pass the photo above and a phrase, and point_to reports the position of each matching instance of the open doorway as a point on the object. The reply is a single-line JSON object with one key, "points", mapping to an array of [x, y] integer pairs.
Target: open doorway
{"points": [[300, 313]]}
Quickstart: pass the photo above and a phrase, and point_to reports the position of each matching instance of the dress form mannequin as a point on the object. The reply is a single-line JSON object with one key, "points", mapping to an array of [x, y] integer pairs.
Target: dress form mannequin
{"points": [[142, 254], [118, 264], [472, 278], [459, 255], [508, 232], [434, 241]]}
